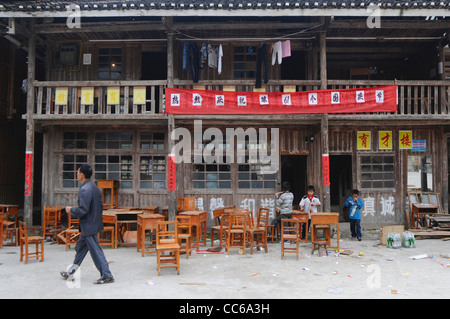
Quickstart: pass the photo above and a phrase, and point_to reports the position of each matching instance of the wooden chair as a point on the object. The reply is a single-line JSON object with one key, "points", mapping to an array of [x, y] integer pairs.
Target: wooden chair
{"points": [[185, 204], [219, 227], [257, 231], [26, 240], [272, 232], [9, 227], [109, 229], [167, 242], [70, 235], [236, 232], [51, 221], [290, 231], [184, 229]]}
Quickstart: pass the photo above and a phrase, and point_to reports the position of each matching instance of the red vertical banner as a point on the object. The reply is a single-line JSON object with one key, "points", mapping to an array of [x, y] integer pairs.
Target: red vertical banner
{"points": [[28, 173], [171, 172], [326, 169]]}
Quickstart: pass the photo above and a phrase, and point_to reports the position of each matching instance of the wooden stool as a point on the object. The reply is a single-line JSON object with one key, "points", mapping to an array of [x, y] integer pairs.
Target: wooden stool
{"points": [[317, 245]]}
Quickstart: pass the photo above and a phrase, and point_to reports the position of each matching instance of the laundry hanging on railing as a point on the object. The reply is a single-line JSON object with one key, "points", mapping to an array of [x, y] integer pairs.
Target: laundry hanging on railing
{"points": [[360, 100]]}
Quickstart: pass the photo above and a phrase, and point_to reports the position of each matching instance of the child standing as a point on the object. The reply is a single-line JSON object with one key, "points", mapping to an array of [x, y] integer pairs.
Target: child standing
{"points": [[309, 204], [355, 203]]}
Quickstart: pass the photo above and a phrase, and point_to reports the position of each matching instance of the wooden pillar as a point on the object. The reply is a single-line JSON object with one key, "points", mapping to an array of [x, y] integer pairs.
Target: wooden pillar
{"points": [[325, 153], [172, 195], [323, 60], [29, 149]]}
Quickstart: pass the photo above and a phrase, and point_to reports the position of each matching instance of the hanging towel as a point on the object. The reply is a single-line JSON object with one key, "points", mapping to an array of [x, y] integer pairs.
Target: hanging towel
{"points": [[286, 48], [212, 56], [219, 62], [276, 51]]}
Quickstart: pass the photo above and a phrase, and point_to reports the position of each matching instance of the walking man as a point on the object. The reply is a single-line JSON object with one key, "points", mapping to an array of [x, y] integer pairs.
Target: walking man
{"points": [[89, 212]]}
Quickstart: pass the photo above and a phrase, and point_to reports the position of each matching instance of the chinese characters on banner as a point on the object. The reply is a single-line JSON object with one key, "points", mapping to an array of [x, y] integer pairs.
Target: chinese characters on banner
{"points": [[405, 140], [364, 140], [139, 95], [172, 185], [113, 96], [28, 173], [61, 94], [191, 101], [326, 169], [87, 95], [385, 140]]}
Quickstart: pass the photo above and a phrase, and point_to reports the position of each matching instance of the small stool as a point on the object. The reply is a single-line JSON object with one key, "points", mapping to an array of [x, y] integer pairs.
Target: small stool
{"points": [[317, 245]]}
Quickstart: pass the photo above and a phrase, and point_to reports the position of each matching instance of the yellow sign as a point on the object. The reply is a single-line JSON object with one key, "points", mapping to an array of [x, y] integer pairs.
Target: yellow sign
{"points": [[385, 140], [364, 140], [405, 140], [139, 95], [113, 96], [61, 96], [87, 95]]}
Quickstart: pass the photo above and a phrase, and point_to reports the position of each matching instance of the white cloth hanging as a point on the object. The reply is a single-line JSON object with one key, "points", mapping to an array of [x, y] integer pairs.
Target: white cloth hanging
{"points": [[276, 51], [219, 62]]}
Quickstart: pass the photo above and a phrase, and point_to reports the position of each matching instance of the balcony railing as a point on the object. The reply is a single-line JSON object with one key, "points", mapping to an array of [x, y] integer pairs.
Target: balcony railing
{"points": [[141, 98]]}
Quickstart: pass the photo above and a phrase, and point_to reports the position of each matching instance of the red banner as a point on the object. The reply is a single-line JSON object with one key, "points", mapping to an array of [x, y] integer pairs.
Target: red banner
{"points": [[361, 100], [171, 173], [326, 169], [28, 173]]}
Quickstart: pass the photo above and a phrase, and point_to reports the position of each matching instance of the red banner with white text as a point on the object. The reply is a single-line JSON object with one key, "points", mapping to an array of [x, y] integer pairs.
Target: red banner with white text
{"points": [[360, 100]]}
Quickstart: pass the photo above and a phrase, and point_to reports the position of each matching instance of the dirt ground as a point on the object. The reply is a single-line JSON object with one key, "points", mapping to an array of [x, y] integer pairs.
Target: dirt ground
{"points": [[361, 270]]}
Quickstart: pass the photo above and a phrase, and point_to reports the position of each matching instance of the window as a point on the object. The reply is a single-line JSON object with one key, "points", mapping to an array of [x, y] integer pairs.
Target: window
{"points": [[109, 63], [69, 170], [115, 167], [250, 176], [75, 140], [152, 141], [114, 140], [153, 172], [420, 173], [212, 176], [244, 62], [377, 171]]}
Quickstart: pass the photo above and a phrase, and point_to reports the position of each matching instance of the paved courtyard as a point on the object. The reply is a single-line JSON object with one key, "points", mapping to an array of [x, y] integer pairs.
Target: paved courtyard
{"points": [[370, 271]]}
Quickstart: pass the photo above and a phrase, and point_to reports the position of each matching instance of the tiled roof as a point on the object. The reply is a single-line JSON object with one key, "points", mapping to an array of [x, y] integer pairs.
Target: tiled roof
{"points": [[89, 5]]}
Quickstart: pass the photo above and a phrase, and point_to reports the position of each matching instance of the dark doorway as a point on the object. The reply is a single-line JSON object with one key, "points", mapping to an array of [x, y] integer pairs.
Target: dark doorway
{"points": [[293, 171], [294, 67], [341, 179], [154, 67]]}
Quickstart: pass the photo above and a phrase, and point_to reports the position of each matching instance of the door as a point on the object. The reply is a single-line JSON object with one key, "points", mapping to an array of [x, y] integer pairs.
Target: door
{"points": [[293, 171], [341, 183]]}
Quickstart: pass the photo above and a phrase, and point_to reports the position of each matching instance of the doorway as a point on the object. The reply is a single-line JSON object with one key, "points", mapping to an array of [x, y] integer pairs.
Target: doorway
{"points": [[154, 67], [341, 179], [293, 171]]}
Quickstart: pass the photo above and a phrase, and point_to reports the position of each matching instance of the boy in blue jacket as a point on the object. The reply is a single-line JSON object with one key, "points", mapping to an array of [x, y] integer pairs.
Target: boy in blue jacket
{"points": [[355, 203]]}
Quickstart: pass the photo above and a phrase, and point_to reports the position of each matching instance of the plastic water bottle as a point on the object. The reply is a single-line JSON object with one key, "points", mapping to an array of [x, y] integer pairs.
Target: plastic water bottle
{"points": [[390, 240], [396, 241], [408, 240]]}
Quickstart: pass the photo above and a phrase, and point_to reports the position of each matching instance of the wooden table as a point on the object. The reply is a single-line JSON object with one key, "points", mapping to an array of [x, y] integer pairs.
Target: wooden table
{"points": [[124, 217], [302, 218], [324, 219], [145, 222], [198, 218], [422, 210], [10, 210]]}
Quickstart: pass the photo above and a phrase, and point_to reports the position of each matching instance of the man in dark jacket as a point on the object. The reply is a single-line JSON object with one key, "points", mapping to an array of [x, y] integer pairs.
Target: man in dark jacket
{"points": [[89, 212]]}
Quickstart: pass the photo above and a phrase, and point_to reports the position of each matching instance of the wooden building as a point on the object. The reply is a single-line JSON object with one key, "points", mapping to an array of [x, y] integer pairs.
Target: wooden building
{"points": [[98, 58]]}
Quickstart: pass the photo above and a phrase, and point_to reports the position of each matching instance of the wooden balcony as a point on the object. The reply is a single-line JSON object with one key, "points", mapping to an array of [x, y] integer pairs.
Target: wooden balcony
{"points": [[416, 99]]}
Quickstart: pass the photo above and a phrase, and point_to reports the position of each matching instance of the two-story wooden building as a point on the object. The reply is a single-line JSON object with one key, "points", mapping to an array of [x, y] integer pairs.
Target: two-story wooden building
{"points": [[98, 70]]}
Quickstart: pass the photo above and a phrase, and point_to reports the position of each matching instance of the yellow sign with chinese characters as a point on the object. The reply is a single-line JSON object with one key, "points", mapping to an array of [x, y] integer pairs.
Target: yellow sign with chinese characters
{"points": [[139, 95], [87, 95], [113, 96], [405, 140], [61, 94], [364, 140], [385, 140]]}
